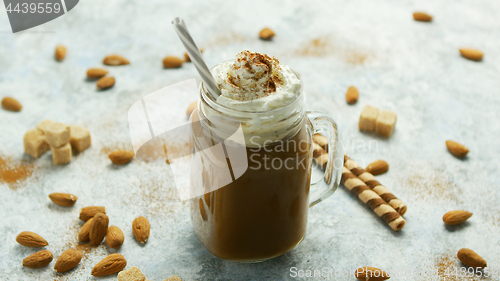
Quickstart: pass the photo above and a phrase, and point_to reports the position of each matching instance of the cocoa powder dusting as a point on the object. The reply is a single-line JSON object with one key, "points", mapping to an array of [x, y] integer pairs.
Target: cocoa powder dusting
{"points": [[436, 186], [323, 47], [13, 172]]}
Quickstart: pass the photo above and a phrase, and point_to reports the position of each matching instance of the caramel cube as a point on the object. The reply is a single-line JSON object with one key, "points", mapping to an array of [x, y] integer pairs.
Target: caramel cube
{"points": [[173, 278], [35, 144], [57, 134], [131, 274], [79, 138], [368, 119], [61, 155], [386, 122], [42, 126]]}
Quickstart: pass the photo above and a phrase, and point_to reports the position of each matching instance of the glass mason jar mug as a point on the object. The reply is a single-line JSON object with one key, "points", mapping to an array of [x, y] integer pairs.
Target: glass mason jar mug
{"points": [[255, 189]]}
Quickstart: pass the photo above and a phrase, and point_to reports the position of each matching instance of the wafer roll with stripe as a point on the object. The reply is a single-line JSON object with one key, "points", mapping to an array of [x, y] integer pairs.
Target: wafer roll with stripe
{"points": [[372, 200], [372, 183]]}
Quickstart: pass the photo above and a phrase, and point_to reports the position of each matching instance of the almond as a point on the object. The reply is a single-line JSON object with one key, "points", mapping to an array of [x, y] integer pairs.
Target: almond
{"points": [[352, 95], [105, 82], [378, 167], [31, 239], [84, 234], [69, 259], [38, 259], [96, 72], [457, 149], [456, 217], [115, 60], [369, 273], [420, 16], [11, 104], [140, 228], [60, 53], [63, 199], [98, 228], [188, 59], [470, 258], [471, 54], [172, 62], [266, 34], [120, 157], [114, 237], [109, 265], [192, 106], [89, 212]]}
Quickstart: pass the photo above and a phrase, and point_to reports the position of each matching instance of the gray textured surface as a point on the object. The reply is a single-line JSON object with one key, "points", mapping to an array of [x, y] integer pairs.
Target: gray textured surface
{"points": [[396, 63]]}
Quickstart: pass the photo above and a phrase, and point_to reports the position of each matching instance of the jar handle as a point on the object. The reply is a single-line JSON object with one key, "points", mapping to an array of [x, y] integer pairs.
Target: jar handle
{"points": [[333, 171]]}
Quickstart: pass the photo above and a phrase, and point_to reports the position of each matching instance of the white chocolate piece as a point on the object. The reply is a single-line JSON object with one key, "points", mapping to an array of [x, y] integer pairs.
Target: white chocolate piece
{"points": [[57, 134], [79, 138], [386, 122], [42, 126], [131, 274], [35, 144], [368, 119], [61, 155]]}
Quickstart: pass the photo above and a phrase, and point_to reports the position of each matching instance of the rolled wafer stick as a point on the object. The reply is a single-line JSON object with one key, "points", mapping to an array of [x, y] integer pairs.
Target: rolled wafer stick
{"points": [[376, 186], [372, 200]]}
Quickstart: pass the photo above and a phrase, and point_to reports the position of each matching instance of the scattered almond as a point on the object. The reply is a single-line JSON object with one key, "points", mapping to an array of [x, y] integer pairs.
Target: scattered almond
{"points": [[60, 53], [188, 59], [457, 149], [141, 228], [11, 104], [192, 106], [172, 62], [98, 228], [378, 167], [115, 60], [105, 82], [96, 72], [38, 259], [456, 217], [352, 95], [368, 273], [114, 237], [420, 16], [84, 234], [69, 259], [470, 258], [266, 34], [31, 239], [471, 54], [89, 212], [119, 157], [109, 265], [63, 199]]}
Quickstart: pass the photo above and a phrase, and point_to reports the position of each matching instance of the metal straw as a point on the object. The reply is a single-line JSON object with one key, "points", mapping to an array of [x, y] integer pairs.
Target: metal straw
{"points": [[196, 58]]}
